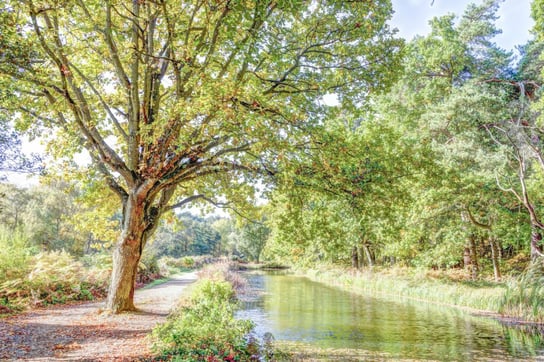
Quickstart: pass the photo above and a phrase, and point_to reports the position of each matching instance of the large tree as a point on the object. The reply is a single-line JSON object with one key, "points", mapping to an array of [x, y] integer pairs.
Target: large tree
{"points": [[177, 101]]}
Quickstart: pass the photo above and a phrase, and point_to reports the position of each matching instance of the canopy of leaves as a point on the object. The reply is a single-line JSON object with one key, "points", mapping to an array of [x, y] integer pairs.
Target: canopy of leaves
{"points": [[191, 93]]}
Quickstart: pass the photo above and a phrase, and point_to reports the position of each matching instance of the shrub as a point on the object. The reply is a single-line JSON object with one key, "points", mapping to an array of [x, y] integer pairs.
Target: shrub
{"points": [[55, 277], [205, 329], [169, 265], [148, 269], [188, 262], [15, 253]]}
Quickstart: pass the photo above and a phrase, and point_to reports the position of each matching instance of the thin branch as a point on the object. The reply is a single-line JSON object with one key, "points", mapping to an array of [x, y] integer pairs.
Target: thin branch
{"points": [[221, 205], [102, 101]]}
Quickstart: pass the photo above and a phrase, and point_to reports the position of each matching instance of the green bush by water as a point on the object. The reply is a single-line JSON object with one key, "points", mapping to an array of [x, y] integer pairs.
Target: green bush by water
{"points": [[205, 329]]}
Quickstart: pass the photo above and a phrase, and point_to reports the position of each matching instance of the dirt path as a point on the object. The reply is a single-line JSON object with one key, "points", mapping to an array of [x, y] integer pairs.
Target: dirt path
{"points": [[82, 333]]}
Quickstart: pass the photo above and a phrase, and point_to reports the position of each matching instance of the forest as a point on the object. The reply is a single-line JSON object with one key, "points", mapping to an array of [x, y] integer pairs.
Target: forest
{"points": [[298, 133]]}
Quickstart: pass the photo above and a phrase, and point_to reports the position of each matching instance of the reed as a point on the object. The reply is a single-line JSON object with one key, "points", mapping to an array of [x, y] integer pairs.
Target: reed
{"points": [[414, 284], [524, 295]]}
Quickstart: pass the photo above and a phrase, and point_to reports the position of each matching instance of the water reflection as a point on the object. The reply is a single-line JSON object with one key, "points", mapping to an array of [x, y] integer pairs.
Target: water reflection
{"points": [[297, 309]]}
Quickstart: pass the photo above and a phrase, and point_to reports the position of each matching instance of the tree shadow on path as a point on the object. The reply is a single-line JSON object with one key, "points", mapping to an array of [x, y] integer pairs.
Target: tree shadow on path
{"points": [[81, 332]]}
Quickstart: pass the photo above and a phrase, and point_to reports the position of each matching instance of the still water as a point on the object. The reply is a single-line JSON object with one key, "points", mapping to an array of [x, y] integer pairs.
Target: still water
{"points": [[296, 309]]}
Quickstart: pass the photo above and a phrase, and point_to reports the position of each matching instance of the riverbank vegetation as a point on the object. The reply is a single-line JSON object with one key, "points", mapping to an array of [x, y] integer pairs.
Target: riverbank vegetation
{"points": [[55, 245], [204, 327], [440, 176], [432, 287]]}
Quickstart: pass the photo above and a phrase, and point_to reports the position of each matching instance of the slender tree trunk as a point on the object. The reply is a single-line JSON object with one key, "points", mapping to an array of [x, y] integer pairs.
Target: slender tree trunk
{"points": [[536, 238], [354, 258], [368, 253], [495, 257], [473, 256], [467, 261], [361, 257]]}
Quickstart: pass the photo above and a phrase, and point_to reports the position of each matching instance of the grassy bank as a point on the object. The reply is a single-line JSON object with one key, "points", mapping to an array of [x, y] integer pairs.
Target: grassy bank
{"points": [[419, 285], [204, 328], [524, 296], [518, 300]]}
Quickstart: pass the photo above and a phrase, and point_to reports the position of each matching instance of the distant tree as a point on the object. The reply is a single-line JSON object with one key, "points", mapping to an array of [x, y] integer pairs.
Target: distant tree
{"points": [[254, 236], [45, 214], [12, 157], [186, 234]]}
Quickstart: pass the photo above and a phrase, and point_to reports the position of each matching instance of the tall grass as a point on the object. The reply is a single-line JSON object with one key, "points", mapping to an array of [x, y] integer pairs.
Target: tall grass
{"points": [[407, 283], [524, 296]]}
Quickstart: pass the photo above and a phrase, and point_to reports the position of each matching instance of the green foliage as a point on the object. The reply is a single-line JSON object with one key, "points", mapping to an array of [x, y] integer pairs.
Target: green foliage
{"points": [[15, 254], [186, 235], [51, 278], [49, 216], [169, 265], [148, 268], [12, 157], [524, 297], [417, 284], [205, 328], [447, 155]]}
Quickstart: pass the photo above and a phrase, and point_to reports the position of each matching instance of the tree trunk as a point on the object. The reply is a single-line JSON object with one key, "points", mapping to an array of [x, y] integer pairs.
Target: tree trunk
{"points": [[536, 238], [467, 261], [495, 257], [369, 255], [473, 256], [139, 220], [354, 258], [125, 266], [361, 257]]}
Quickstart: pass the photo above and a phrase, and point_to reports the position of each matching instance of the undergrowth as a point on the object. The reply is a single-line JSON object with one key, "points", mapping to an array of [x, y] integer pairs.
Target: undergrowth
{"points": [[524, 296], [52, 278], [204, 328]]}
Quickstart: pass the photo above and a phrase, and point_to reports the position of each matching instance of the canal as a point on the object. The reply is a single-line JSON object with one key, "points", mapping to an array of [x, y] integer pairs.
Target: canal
{"points": [[294, 308]]}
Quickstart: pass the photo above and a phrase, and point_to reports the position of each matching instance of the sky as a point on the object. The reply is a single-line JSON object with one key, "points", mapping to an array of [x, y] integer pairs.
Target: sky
{"points": [[412, 18]]}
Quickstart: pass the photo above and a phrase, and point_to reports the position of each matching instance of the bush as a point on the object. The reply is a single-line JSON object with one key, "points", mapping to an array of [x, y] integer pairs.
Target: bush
{"points": [[15, 254], [205, 329], [169, 265], [148, 269], [55, 277]]}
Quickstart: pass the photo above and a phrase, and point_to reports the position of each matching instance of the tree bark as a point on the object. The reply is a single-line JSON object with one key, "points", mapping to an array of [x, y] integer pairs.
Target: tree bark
{"points": [[138, 224], [354, 258], [495, 257], [125, 266], [473, 256], [467, 260], [536, 238], [369, 255]]}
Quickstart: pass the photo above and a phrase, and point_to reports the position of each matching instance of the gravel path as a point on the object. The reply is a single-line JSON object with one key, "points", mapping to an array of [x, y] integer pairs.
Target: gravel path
{"points": [[82, 333]]}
